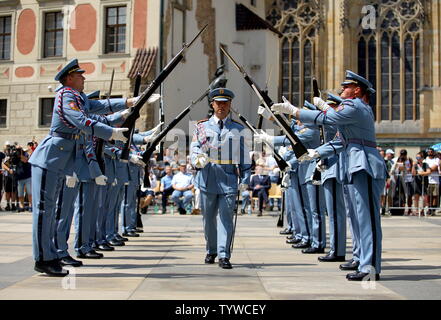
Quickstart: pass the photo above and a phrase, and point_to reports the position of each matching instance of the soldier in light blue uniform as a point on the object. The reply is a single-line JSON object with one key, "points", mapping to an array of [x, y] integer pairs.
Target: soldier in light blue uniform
{"points": [[332, 180], [54, 158], [219, 150], [314, 241], [366, 168]]}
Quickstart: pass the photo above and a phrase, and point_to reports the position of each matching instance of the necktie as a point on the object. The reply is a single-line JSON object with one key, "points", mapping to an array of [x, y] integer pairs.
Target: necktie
{"points": [[221, 124]]}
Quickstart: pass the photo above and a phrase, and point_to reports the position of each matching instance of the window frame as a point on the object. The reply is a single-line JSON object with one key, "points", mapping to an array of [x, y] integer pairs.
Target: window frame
{"points": [[105, 28], [10, 37], [44, 31], [40, 111], [7, 111]]}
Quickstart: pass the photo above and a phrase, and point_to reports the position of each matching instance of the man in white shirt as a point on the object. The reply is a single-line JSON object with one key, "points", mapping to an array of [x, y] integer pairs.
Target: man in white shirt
{"points": [[182, 182], [273, 172], [433, 190]]}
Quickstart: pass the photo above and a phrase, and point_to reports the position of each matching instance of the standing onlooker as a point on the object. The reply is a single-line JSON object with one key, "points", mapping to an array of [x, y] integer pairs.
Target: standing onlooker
{"points": [[386, 198], [273, 172], [23, 175], [433, 188], [420, 171], [402, 175], [8, 165]]}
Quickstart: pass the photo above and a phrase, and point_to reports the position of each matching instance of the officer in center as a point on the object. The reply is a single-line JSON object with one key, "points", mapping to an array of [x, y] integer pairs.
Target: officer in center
{"points": [[220, 153]]}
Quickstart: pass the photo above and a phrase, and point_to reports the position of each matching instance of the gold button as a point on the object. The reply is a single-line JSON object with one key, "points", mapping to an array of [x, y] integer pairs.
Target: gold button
{"points": [[61, 148]]}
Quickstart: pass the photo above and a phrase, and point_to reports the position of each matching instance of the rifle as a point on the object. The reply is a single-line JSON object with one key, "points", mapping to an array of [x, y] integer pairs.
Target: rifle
{"points": [[317, 175], [152, 146], [281, 163], [138, 194], [100, 142], [134, 114], [260, 122], [280, 220], [298, 147]]}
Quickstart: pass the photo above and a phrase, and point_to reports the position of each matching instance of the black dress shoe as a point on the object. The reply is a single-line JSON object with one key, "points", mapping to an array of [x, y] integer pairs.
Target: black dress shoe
{"points": [[242, 211], [105, 247], [116, 243], [331, 258], [51, 268], [293, 241], [130, 234], [139, 230], [182, 211], [301, 245], [120, 238], [209, 258], [224, 263], [69, 261], [362, 276], [285, 231], [350, 265], [259, 214], [313, 250], [290, 237], [90, 255]]}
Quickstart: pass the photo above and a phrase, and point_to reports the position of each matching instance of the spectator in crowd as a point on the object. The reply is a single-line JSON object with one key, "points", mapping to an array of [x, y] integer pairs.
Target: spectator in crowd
{"points": [[10, 183], [182, 183], [2, 158], [273, 172], [260, 184], [23, 177], [420, 171], [166, 187], [402, 174], [433, 188]]}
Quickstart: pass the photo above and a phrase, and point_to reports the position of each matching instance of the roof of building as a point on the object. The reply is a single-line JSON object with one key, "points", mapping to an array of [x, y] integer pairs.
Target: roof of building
{"points": [[143, 62], [248, 20]]}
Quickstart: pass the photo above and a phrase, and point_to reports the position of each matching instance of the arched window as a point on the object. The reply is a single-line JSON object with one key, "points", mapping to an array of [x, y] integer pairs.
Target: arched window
{"points": [[395, 44], [298, 20]]}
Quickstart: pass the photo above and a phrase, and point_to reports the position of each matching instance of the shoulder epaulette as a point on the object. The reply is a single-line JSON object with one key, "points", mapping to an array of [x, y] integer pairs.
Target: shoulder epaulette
{"points": [[203, 120], [348, 102]]}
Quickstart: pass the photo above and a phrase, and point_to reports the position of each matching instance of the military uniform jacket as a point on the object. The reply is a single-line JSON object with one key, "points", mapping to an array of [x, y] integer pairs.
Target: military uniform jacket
{"points": [[309, 135], [355, 122], [69, 120], [227, 150]]}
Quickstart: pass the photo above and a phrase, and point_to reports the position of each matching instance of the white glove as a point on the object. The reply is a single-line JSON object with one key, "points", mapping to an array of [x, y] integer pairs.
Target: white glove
{"points": [[157, 149], [286, 180], [263, 137], [101, 180], [320, 104], [133, 158], [125, 113], [117, 134], [243, 187], [282, 151], [153, 98], [264, 113], [285, 107], [114, 183], [320, 166], [71, 180], [312, 154], [154, 133], [201, 160]]}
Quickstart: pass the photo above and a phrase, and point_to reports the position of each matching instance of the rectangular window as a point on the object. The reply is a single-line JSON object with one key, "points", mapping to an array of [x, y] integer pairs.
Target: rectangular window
{"points": [[5, 38], [253, 2], [53, 34], [46, 108], [115, 30], [3, 112]]}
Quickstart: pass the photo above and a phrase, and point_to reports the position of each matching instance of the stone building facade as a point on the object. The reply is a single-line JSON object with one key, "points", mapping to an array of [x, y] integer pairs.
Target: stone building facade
{"points": [[38, 37], [282, 44]]}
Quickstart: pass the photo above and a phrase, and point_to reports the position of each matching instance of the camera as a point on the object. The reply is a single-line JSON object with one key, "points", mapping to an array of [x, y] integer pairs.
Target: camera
{"points": [[14, 154]]}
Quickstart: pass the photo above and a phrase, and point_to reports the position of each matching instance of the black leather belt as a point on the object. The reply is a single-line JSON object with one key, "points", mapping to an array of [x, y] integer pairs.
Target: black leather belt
{"points": [[362, 142], [68, 136]]}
